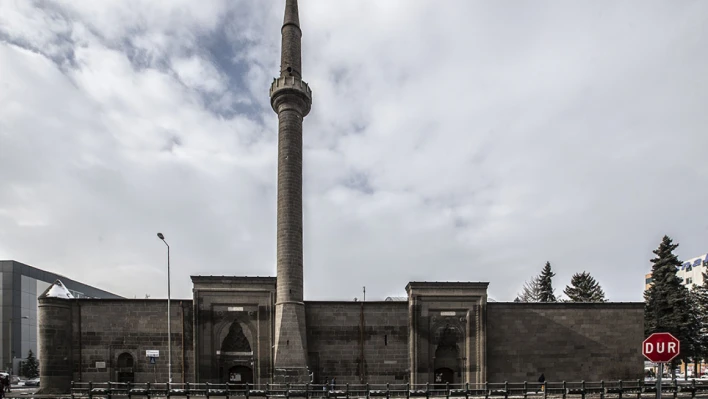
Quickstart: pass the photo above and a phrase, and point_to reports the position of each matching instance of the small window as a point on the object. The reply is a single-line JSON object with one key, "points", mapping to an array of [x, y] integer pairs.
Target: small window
{"points": [[689, 281], [385, 340]]}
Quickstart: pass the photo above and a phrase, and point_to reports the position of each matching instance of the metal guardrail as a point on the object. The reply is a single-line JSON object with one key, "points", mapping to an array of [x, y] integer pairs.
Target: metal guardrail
{"points": [[615, 389]]}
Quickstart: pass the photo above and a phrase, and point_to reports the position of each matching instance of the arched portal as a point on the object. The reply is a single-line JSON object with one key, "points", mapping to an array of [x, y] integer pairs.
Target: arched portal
{"points": [[235, 341], [126, 367], [447, 355], [236, 356]]}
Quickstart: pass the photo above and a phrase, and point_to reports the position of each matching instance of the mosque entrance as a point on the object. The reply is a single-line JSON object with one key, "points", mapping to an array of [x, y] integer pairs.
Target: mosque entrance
{"points": [[447, 356], [125, 368], [236, 356]]}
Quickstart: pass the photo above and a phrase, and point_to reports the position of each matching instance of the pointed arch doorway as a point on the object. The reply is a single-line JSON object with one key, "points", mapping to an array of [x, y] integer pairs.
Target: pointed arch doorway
{"points": [[236, 357], [446, 363]]}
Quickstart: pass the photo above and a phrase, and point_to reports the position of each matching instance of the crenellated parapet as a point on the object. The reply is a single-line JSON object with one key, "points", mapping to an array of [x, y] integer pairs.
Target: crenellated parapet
{"points": [[290, 92]]}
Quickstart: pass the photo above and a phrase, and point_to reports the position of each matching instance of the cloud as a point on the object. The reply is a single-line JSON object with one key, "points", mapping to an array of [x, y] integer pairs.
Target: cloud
{"points": [[468, 142]]}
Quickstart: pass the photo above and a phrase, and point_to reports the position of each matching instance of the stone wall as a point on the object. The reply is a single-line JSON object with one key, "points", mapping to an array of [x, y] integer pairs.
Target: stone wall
{"points": [[570, 342], [334, 339], [564, 341], [103, 329]]}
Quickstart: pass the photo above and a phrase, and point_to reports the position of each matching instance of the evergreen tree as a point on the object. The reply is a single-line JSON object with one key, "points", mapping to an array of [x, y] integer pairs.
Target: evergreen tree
{"points": [[545, 285], [30, 368], [695, 347], [667, 304], [531, 291], [699, 302], [584, 288]]}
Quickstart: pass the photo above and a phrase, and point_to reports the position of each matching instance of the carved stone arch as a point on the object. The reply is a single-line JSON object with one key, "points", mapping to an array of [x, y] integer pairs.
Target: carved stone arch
{"points": [[448, 346], [448, 336], [443, 324], [236, 340], [222, 329]]}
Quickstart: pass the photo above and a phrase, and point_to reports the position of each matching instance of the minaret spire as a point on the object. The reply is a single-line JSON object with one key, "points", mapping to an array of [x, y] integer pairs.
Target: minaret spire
{"points": [[291, 99], [291, 13], [290, 56]]}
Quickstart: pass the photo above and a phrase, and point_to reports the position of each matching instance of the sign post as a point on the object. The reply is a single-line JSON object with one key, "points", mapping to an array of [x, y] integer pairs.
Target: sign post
{"points": [[661, 348], [153, 354]]}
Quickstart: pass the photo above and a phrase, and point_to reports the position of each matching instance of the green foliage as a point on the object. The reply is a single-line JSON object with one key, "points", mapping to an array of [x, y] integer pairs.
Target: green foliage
{"points": [[668, 306], [539, 288], [545, 285], [698, 299], [30, 367], [584, 288], [694, 347]]}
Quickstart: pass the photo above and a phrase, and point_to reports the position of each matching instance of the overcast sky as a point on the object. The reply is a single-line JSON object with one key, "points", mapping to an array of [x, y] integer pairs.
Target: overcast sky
{"points": [[448, 141]]}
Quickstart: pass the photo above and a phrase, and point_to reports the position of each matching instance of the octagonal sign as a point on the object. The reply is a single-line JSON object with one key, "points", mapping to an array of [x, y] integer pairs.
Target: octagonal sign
{"points": [[661, 347]]}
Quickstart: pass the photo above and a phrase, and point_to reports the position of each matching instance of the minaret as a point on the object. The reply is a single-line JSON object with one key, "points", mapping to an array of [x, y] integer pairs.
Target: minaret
{"points": [[291, 99]]}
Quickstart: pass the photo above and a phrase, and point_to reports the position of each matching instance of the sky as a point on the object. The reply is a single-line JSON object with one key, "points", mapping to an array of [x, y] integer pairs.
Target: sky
{"points": [[473, 141]]}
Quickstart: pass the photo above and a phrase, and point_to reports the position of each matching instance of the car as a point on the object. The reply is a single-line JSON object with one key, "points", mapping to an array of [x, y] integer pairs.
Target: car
{"points": [[34, 382]]}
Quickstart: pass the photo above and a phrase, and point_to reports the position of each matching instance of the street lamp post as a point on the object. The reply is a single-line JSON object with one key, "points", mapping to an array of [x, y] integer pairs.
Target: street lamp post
{"points": [[12, 353], [169, 324]]}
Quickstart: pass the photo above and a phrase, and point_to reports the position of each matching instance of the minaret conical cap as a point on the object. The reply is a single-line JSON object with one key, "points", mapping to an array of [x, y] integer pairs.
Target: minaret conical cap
{"points": [[291, 13]]}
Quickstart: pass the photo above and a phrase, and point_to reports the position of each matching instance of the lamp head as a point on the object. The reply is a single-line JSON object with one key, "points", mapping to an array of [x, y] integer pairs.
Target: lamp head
{"points": [[160, 236]]}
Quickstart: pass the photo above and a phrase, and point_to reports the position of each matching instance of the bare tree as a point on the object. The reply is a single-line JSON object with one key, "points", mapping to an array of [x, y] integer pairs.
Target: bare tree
{"points": [[531, 292]]}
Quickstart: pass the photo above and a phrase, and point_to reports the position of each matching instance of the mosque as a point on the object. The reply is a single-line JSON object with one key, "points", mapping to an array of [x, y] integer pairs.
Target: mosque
{"points": [[262, 330]]}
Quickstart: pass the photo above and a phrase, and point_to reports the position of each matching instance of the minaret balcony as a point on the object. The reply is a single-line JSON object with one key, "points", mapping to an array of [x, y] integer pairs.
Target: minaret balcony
{"points": [[290, 89], [290, 82]]}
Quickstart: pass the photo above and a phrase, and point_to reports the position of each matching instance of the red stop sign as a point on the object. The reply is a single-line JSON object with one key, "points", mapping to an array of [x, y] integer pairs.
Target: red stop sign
{"points": [[661, 347]]}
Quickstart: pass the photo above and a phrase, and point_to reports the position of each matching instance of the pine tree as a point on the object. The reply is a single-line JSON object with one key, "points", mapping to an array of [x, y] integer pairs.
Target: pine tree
{"points": [[699, 302], [584, 288], [545, 285], [531, 291], [667, 304], [30, 368], [695, 348]]}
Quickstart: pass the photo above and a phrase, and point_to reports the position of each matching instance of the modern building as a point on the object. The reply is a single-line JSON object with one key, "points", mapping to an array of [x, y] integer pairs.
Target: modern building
{"points": [[691, 271], [20, 285]]}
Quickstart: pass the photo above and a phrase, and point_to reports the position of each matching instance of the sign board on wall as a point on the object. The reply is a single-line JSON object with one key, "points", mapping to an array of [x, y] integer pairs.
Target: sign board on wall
{"points": [[152, 353], [100, 365]]}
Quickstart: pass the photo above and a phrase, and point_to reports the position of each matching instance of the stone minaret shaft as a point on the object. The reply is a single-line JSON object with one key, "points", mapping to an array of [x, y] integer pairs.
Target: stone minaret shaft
{"points": [[291, 99]]}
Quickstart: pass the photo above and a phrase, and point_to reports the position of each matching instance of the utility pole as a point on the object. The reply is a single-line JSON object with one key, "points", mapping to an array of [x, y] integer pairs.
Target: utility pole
{"points": [[169, 324]]}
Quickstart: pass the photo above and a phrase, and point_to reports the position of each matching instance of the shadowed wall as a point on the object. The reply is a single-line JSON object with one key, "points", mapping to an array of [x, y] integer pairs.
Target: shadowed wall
{"points": [[565, 341]]}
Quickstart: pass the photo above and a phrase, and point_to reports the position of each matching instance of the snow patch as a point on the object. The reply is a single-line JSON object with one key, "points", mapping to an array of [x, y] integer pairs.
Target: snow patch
{"points": [[58, 290]]}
